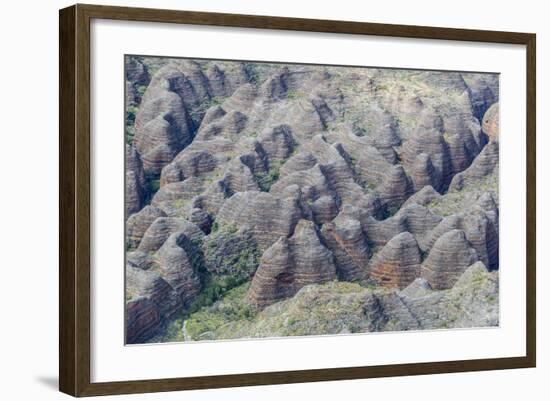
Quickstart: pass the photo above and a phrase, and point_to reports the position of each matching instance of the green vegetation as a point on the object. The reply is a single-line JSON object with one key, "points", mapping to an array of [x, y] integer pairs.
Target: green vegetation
{"points": [[152, 184], [180, 203], [232, 253], [252, 73], [318, 309], [130, 132], [174, 330], [233, 309], [292, 94], [131, 111], [214, 289], [130, 119], [457, 201], [141, 89], [388, 212], [447, 137], [266, 180], [199, 112], [225, 228]]}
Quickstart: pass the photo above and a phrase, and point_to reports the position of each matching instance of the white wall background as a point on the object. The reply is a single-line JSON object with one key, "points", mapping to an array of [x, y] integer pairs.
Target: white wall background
{"points": [[28, 198]]}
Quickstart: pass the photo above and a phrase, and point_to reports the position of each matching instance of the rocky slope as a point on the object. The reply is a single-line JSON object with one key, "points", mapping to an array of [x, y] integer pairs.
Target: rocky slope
{"points": [[270, 200]]}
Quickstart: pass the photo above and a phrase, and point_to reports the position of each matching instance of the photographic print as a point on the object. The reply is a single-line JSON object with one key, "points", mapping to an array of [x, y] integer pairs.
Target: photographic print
{"points": [[272, 200]]}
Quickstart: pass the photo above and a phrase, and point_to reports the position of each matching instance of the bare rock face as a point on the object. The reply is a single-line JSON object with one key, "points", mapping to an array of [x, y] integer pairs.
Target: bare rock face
{"points": [[347, 242], [135, 71], [290, 264], [490, 122], [268, 217], [415, 219], [299, 162], [428, 139], [228, 126], [423, 197], [398, 263], [482, 234], [483, 92], [159, 231], [175, 263], [448, 259], [276, 86], [188, 164], [174, 197], [142, 320], [137, 224], [158, 286], [172, 109], [239, 177], [277, 142], [483, 165], [313, 184], [423, 172], [163, 123], [462, 134], [137, 76], [150, 301], [324, 209], [396, 187], [135, 182]]}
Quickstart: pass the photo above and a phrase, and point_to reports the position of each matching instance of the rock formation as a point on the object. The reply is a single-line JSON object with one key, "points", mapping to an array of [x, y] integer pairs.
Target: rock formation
{"points": [[267, 199], [290, 264], [398, 263], [483, 165], [134, 195], [138, 223], [490, 122], [266, 216], [448, 259], [344, 236]]}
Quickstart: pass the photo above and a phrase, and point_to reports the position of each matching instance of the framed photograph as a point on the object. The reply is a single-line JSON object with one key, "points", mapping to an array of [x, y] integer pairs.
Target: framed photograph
{"points": [[250, 200]]}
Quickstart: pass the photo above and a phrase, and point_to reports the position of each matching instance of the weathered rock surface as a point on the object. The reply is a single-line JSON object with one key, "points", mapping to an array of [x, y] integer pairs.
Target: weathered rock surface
{"points": [[345, 308], [158, 286], [480, 228], [290, 264], [398, 263], [490, 122], [484, 164], [159, 231], [415, 219], [174, 261], [348, 243], [471, 302], [266, 216], [173, 106], [137, 76], [135, 192], [448, 259], [137, 224], [284, 177], [423, 197]]}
